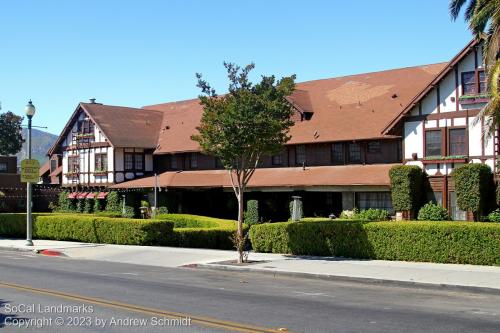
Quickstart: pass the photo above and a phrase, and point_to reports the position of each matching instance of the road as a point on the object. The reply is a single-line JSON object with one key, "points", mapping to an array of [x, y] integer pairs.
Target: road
{"points": [[74, 295]]}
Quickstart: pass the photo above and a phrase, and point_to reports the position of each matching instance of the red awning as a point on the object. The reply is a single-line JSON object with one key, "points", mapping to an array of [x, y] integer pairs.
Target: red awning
{"points": [[72, 195], [91, 195], [102, 195], [82, 195]]}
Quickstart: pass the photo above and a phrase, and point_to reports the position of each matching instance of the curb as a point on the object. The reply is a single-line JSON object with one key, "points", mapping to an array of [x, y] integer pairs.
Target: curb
{"points": [[341, 278], [18, 249]]}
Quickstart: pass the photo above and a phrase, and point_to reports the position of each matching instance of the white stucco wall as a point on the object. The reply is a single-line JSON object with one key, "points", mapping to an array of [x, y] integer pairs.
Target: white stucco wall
{"points": [[413, 136]]}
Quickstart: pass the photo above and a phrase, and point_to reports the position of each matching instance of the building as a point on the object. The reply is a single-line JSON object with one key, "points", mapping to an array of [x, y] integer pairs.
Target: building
{"points": [[349, 131]]}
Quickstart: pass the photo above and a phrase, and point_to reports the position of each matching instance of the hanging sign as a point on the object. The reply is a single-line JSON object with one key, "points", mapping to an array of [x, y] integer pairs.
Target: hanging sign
{"points": [[30, 171]]}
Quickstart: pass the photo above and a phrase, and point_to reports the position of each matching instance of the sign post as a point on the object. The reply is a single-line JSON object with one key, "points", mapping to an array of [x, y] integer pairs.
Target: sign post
{"points": [[29, 174]]}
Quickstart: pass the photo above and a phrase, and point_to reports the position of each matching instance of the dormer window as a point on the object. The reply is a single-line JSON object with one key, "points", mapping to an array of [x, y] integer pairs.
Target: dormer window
{"points": [[473, 83]]}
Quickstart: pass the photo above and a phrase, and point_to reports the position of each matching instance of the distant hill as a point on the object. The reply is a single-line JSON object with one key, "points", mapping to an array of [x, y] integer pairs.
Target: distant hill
{"points": [[41, 142]]}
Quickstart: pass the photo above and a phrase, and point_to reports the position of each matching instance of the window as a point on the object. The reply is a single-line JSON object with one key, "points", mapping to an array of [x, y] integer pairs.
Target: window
{"points": [[129, 161], [337, 153], [468, 83], [53, 165], [139, 162], [482, 82], [457, 142], [354, 153], [433, 143], [73, 164], [3, 166], [374, 147], [300, 154], [193, 161], [455, 212], [173, 162], [277, 159], [378, 200], [435, 197], [101, 162]]}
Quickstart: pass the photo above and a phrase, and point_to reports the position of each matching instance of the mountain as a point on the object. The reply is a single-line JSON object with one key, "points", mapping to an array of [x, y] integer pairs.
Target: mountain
{"points": [[41, 142]]}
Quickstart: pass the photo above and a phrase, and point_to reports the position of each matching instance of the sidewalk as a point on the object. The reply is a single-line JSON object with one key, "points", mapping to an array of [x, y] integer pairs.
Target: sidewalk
{"points": [[323, 267]]}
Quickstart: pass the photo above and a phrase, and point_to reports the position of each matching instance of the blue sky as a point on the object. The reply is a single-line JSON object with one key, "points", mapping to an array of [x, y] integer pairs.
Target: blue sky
{"points": [[136, 53]]}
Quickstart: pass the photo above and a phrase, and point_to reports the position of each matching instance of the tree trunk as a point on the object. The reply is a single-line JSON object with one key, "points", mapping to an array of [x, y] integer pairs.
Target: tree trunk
{"points": [[239, 233]]}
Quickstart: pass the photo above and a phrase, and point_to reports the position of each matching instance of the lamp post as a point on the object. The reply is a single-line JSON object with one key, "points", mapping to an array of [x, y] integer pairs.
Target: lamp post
{"points": [[30, 112]]}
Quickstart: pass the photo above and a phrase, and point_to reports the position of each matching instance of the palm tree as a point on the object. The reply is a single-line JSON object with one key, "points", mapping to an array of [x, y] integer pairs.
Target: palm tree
{"points": [[483, 17]]}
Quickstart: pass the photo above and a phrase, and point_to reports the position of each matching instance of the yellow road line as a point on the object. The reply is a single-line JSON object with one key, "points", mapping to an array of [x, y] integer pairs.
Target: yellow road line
{"points": [[199, 320]]}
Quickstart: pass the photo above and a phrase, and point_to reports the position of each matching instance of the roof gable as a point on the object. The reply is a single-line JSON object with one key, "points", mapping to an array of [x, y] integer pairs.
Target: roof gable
{"points": [[437, 79]]}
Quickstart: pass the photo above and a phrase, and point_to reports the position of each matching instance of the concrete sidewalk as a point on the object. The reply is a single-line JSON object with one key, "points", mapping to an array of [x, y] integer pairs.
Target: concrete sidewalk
{"points": [[324, 267]]}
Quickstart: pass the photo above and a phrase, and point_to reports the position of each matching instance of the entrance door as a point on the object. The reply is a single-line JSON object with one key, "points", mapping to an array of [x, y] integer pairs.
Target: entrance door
{"points": [[455, 212]]}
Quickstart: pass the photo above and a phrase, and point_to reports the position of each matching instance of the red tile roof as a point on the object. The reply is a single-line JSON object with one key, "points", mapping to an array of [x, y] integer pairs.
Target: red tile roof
{"points": [[352, 107], [345, 175]]}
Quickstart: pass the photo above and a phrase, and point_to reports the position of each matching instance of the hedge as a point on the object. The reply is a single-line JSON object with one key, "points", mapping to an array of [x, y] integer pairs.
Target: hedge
{"points": [[440, 242], [201, 231], [406, 187], [473, 184], [88, 228]]}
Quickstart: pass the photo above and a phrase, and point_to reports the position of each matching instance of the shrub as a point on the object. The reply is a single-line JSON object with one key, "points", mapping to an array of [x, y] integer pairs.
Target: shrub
{"points": [[472, 185], [252, 213], [494, 216], [433, 212], [406, 187], [144, 203], [89, 206], [80, 205], [201, 231], [113, 202], [441, 242], [102, 230], [372, 214], [348, 214], [498, 194], [162, 210], [97, 204], [129, 212], [64, 203]]}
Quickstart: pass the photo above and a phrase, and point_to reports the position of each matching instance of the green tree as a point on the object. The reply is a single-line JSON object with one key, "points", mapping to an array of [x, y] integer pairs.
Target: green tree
{"points": [[243, 125], [11, 140], [483, 17]]}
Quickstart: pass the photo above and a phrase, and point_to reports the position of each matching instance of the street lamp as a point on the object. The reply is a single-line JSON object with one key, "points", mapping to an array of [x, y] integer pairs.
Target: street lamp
{"points": [[29, 110]]}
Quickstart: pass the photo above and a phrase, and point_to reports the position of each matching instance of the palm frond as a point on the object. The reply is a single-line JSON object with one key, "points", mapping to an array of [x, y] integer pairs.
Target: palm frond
{"points": [[469, 11], [454, 7], [481, 15]]}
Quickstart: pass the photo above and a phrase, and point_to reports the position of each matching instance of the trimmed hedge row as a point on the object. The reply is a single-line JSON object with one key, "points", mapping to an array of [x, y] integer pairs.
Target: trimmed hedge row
{"points": [[91, 229], [201, 231], [440, 242]]}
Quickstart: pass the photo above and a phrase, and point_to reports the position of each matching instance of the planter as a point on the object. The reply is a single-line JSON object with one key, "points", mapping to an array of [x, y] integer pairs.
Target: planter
{"points": [[471, 99], [100, 173]]}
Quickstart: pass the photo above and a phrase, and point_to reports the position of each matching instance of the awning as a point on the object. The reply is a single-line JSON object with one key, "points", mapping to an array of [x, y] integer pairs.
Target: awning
{"points": [[72, 195], [82, 195], [342, 175], [91, 195], [102, 195]]}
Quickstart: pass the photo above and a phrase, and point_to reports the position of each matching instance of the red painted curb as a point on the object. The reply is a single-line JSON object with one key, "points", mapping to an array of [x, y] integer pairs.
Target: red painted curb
{"points": [[51, 253]]}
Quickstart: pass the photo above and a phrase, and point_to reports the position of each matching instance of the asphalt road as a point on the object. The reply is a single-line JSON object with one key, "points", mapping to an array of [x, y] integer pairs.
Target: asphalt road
{"points": [[52, 294]]}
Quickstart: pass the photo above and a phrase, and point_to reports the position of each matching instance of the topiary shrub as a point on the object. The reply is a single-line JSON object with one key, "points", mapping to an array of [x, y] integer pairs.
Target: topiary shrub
{"points": [[113, 202], [433, 212], [64, 203], [97, 204], [129, 212], [372, 214], [252, 212], [80, 205], [406, 187], [494, 216], [89, 206], [473, 182]]}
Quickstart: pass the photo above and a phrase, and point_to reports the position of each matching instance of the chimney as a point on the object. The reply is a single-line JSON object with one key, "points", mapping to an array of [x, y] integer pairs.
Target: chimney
{"points": [[92, 100]]}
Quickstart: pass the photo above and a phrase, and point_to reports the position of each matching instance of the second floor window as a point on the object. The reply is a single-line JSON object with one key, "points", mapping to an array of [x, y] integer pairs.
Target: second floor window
{"points": [[433, 143], [337, 153], [300, 154], [101, 162], [129, 161], [139, 162], [173, 162], [469, 84], [134, 161], [457, 142], [354, 153], [74, 164], [53, 165]]}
